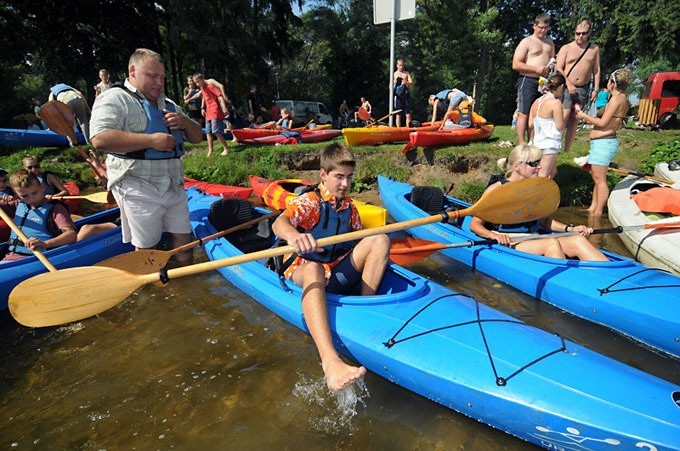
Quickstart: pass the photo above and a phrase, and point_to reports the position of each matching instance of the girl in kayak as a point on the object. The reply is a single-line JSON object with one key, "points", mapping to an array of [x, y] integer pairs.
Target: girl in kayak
{"points": [[52, 184], [524, 161]]}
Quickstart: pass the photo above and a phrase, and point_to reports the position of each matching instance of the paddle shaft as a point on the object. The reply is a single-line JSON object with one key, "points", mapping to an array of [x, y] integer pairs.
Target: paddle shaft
{"points": [[100, 197], [522, 200], [385, 117], [640, 174], [22, 236]]}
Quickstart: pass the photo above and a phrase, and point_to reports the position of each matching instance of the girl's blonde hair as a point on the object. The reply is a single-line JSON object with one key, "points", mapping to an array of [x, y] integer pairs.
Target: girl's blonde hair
{"points": [[519, 154]]}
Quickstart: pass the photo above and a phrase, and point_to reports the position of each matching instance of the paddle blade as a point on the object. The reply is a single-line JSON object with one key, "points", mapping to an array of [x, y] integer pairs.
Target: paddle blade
{"points": [[404, 251], [141, 261], [59, 118], [70, 295], [519, 201]]}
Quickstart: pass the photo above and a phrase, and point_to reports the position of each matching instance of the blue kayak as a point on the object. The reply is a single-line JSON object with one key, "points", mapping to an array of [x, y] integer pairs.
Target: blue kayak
{"points": [[473, 359], [12, 137], [622, 294], [82, 253]]}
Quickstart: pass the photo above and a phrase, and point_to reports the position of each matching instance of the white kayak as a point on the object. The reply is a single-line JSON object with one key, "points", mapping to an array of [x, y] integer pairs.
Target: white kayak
{"points": [[659, 248], [662, 171]]}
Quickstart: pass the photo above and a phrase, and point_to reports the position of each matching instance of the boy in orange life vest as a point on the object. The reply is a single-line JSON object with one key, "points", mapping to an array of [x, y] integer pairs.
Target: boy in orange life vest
{"points": [[335, 269], [47, 224]]}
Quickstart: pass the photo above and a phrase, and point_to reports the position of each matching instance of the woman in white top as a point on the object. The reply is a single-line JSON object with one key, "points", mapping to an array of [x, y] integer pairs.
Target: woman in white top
{"points": [[547, 121]]}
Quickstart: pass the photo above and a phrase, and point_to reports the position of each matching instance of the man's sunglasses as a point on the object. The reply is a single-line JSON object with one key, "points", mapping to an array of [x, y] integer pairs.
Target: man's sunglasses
{"points": [[29, 167], [533, 164]]}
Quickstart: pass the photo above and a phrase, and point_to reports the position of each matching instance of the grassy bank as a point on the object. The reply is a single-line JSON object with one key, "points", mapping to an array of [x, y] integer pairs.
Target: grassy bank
{"points": [[462, 171]]}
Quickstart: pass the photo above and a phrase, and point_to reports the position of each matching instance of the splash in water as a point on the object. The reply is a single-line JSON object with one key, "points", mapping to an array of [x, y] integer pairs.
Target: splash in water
{"points": [[328, 411]]}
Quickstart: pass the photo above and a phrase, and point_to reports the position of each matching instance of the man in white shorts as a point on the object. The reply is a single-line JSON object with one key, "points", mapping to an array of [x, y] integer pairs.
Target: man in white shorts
{"points": [[143, 132]]}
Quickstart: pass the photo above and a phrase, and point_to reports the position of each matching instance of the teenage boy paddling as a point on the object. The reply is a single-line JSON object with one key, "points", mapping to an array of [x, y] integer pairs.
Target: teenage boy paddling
{"points": [[327, 211]]}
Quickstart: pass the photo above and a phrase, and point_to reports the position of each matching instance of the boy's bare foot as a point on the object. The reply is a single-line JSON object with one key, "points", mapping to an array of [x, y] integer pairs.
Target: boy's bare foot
{"points": [[225, 152], [340, 375], [210, 153]]}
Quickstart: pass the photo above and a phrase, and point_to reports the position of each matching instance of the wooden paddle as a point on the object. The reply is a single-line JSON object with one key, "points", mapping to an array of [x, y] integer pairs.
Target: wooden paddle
{"points": [[77, 293], [404, 251], [59, 118], [640, 174], [22, 236], [100, 197], [145, 261], [376, 122]]}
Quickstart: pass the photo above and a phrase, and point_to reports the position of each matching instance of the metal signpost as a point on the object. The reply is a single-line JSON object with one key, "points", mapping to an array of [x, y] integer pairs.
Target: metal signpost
{"points": [[385, 11]]}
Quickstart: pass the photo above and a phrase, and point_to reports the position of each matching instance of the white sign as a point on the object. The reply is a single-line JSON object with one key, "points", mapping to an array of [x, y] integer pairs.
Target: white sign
{"points": [[382, 10]]}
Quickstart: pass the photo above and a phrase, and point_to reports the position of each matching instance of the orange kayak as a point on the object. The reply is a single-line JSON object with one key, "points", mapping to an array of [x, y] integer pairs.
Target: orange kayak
{"points": [[371, 136], [453, 137], [277, 193]]}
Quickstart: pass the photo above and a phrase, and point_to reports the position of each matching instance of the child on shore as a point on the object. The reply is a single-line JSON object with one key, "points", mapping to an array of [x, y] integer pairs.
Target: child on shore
{"points": [[546, 118]]}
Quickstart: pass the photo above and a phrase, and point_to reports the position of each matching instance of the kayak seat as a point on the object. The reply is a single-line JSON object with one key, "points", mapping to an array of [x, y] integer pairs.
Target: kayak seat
{"points": [[227, 213], [430, 199]]}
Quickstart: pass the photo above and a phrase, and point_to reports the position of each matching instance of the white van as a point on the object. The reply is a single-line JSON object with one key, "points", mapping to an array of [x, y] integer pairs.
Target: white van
{"points": [[305, 111]]}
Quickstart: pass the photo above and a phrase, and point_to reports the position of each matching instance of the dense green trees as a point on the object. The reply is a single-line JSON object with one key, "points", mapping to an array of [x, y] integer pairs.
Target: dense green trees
{"points": [[333, 51]]}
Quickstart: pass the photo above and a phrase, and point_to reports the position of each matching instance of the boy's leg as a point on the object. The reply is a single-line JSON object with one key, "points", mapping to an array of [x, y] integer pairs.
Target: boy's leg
{"points": [[338, 374], [370, 257]]}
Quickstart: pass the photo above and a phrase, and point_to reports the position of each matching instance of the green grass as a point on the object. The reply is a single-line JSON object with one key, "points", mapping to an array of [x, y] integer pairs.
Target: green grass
{"points": [[461, 170]]}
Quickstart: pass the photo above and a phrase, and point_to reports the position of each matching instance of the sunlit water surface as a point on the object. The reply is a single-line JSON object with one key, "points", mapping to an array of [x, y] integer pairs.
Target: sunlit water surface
{"points": [[199, 365]]}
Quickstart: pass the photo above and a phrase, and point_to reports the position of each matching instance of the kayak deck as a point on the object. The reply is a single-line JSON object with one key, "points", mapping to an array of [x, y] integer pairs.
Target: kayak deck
{"points": [[621, 294]]}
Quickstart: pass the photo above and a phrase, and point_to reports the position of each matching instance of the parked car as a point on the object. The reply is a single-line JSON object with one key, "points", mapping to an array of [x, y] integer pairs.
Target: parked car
{"points": [[659, 105], [306, 110]]}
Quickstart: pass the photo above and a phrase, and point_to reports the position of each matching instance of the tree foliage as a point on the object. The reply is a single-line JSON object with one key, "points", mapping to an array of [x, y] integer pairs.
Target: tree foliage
{"points": [[331, 52]]}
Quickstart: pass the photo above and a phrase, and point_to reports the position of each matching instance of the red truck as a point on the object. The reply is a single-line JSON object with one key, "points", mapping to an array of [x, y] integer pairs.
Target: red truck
{"points": [[659, 105]]}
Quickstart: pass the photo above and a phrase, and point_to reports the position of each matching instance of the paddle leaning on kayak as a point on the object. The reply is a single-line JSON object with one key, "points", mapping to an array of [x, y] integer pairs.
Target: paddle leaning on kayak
{"points": [[524, 162]]}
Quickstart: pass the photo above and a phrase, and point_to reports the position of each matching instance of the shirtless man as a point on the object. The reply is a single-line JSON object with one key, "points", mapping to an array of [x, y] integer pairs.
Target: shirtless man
{"points": [[578, 74], [531, 60], [403, 103]]}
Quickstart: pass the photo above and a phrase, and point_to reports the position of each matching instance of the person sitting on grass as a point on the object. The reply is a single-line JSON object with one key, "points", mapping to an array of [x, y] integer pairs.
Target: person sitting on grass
{"points": [[334, 269], [47, 224], [523, 162]]}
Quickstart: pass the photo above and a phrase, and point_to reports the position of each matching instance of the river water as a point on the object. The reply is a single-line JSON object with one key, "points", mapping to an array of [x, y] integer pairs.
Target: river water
{"points": [[199, 365]]}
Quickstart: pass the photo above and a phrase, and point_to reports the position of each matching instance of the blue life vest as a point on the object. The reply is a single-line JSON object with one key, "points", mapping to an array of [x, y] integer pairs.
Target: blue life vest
{"points": [[523, 227], [330, 223], [442, 95], [155, 124], [59, 88], [49, 188], [34, 225]]}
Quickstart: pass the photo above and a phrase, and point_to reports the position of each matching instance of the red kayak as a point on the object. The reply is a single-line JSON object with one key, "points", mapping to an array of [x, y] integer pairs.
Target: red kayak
{"points": [[453, 137], [305, 136], [216, 189]]}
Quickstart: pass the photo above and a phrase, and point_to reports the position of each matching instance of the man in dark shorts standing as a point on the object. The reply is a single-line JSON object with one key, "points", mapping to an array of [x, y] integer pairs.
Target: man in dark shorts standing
{"points": [[531, 59], [578, 61]]}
